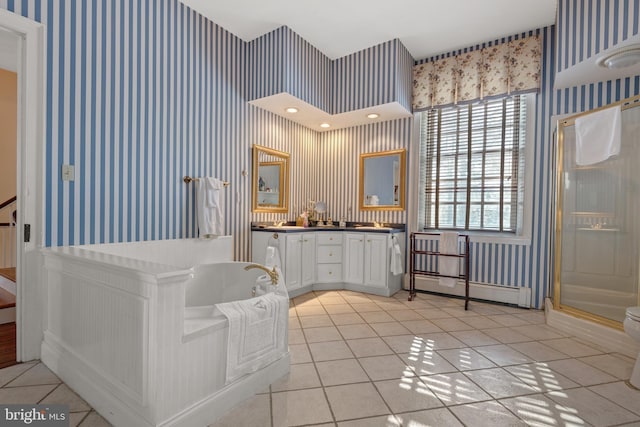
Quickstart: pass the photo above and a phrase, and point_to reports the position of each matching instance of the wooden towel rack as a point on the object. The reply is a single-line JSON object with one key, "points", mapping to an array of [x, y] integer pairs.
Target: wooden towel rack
{"points": [[419, 258]]}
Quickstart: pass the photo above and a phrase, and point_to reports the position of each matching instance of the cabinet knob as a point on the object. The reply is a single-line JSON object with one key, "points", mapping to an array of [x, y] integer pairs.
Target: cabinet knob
{"points": [[330, 253], [305, 240], [330, 273], [360, 240], [330, 238], [368, 240]]}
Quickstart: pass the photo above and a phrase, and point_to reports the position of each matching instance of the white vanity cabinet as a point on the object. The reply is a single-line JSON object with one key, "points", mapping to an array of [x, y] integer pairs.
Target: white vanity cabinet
{"points": [[297, 254], [367, 258], [340, 259], [299, 260], [329, 257]]}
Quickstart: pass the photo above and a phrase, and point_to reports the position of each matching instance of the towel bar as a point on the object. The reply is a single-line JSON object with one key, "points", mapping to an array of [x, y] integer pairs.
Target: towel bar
{"points": [[187, 179]]}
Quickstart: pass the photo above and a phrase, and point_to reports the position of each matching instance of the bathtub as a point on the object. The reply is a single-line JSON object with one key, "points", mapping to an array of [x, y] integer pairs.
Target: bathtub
{"points": [[133, 329]]}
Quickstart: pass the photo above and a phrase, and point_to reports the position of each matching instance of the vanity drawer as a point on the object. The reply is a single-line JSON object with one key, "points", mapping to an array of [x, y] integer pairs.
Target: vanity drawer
{"points": [[324, 238], [329, 254], [328, 273]]}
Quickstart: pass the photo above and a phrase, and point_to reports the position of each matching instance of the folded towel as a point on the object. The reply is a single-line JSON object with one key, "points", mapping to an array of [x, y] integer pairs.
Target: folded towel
{"points": [[257, 333], [449, 266], [209, 206], [396, 264], [598, 136]]}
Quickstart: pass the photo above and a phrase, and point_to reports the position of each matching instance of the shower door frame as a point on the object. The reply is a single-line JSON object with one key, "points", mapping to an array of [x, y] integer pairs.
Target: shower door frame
{"points": [[633, 102]]}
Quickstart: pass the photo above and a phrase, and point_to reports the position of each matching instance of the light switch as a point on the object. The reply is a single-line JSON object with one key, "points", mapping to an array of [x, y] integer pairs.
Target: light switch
{"points": [[68, 173]]}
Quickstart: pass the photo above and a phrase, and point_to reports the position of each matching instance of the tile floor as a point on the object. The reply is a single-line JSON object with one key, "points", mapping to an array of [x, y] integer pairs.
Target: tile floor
{"points": [[32, 382], [363, 360]]}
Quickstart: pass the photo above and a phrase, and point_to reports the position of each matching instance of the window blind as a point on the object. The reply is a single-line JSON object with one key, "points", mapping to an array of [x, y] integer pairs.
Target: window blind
{"points": [[472, 161]]}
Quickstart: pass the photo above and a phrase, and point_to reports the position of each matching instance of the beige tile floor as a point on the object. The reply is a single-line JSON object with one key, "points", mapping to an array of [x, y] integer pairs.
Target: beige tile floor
{"points": [[363, 360]]}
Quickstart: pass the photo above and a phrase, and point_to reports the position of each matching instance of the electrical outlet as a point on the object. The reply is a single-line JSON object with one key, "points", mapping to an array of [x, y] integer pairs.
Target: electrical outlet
{"points": [[68, 173]]}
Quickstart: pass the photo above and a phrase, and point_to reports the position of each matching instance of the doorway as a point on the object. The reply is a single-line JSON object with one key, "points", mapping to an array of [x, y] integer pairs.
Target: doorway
{"points": [[25, 38], [8, 195]]}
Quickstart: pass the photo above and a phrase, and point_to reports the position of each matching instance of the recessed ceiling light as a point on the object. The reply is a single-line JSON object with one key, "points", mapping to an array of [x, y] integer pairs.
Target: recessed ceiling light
{"points": [[622, 58], [291, 110], [325, 125], [373, 115]]}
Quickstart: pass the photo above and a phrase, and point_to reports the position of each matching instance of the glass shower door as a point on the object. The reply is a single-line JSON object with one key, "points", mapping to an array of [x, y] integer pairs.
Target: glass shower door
{"points": [[598, 212]]}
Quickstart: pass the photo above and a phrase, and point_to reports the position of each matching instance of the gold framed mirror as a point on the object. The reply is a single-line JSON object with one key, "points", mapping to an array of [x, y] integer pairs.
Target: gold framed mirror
{"points": [[270, 186], [382, 180]]}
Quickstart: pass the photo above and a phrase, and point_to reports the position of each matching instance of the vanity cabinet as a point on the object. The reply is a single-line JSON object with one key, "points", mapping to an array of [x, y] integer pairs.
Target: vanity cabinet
{"points": [[299, 260], [326, 260], [329, 257], [366, 258]]}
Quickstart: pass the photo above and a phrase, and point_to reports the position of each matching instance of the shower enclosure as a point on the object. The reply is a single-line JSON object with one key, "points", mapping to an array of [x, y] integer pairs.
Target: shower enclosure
{"points": [[598, 226]]}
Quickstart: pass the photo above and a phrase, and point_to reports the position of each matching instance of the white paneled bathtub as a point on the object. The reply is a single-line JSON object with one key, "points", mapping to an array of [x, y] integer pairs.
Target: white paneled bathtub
{"points": [[121, 330]]}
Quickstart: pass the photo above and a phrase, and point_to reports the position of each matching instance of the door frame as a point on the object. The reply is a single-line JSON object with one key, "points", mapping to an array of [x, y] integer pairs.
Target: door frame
{"points": [[29, 180]]}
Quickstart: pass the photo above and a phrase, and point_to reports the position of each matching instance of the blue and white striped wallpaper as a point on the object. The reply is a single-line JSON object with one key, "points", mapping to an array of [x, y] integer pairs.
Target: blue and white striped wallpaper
{"points": [[372, 77], [587, 27], [282, 61], [339, 160], [140, 93]]}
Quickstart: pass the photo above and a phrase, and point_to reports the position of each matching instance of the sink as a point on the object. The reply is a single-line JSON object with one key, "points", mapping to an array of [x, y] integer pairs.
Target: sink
{"points": [[288, 227], [370, 227]]}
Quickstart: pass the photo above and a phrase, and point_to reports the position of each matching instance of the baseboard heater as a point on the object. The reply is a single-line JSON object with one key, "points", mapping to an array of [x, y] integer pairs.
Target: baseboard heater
{"points": [[482, 291]]}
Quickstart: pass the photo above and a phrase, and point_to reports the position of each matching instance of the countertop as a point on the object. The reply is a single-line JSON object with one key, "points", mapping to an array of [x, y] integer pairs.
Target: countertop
{"points": [[361, 227]]}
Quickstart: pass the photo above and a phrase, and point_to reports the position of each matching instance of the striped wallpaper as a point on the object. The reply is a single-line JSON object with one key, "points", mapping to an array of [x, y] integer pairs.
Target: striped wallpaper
{"points": [[282, 61], [587, 27], [372, 77], [339, 156], [140, 93]]}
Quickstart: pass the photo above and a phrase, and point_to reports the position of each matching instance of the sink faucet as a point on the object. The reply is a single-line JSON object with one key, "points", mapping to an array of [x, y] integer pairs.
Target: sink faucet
{"points": [[377, 224], [278, 223], [273, 274]]}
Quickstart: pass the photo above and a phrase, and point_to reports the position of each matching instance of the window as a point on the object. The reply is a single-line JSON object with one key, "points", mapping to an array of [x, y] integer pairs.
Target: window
{"points": [[472, 166]]}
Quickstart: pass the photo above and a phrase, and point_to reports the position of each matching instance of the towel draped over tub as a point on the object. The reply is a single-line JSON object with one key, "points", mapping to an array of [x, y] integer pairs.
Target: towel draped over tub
{"points": [[257, 332]]}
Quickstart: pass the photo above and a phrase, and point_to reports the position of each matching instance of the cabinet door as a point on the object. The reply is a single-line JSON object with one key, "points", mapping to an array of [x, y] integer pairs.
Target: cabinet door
{"points": [[292, 273], [375, 260], [353, 257], [308, 259]]}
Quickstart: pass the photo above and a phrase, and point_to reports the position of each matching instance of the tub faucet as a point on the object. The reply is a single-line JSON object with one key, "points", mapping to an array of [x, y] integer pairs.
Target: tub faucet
{"points": [[273, 274]]}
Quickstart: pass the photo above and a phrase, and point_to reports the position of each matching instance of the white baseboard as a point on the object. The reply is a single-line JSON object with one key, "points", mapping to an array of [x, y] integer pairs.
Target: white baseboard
{"points": [[608, 338], [504, 294]]}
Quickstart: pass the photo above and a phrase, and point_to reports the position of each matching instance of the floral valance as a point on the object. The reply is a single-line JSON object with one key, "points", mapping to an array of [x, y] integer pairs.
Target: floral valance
{"points": [[503, 69]]}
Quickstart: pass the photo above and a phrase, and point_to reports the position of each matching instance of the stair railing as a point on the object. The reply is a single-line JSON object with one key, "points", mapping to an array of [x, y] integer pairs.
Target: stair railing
{"points": [[8, 214]]}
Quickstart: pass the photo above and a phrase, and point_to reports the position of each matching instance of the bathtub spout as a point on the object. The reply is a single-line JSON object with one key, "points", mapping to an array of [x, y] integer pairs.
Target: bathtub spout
{"points": [[273, 274]]}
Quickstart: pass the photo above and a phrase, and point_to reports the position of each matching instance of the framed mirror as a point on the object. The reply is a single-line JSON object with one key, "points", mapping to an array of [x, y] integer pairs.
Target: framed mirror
{"points": [[382, 180], [270, 186]]}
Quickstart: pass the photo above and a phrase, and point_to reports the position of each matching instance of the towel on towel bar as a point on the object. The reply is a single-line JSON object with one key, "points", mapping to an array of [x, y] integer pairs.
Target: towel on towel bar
{"points": [[598, 136], [449, 266], [209, 206], [396, 257], [257, 333]]}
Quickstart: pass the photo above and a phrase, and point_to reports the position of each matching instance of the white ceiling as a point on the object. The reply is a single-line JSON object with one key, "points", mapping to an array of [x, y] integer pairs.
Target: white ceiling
{"points": [[341, 27]]}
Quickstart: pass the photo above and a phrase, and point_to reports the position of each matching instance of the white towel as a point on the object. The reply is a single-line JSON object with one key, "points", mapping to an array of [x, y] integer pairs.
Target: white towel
{"points": [[448, 265], [272, 259], [598, 136], [396, 264], [257, 333], [209, 206]]}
